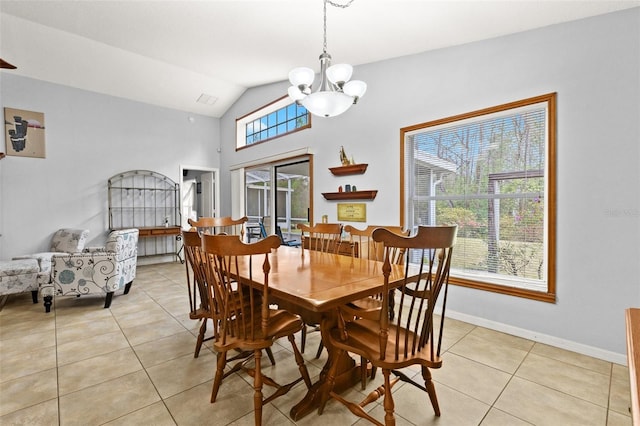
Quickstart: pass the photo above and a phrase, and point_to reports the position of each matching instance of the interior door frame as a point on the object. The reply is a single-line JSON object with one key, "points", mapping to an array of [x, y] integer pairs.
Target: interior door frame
{"points": [[216, 185]]}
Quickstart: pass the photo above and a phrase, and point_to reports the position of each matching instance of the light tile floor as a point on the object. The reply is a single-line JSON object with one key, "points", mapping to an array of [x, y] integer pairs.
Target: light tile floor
{"points": [[133, 364]]}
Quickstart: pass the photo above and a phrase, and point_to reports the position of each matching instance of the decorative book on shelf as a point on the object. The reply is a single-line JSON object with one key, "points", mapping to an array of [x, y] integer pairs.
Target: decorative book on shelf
{"points": [[352, 195]]}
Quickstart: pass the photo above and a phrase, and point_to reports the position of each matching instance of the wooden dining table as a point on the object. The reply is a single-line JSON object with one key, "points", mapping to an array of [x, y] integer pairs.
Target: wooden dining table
{"points": [[313, 284]]}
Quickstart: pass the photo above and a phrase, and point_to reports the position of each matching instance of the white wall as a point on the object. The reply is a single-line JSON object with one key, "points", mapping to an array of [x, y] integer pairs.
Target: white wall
{"points": [[89, 138], [594, 66]]}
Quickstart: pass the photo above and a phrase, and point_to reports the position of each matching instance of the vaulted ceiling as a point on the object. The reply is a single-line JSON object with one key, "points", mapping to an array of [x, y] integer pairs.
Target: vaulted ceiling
{"points": [[169, 53]]}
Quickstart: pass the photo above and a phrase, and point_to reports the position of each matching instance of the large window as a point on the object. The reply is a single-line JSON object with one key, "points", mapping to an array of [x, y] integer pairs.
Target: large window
{"points": [[491, 172], [271, 121]]}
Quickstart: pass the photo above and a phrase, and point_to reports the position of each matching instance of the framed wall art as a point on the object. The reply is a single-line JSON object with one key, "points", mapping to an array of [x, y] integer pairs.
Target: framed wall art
{"points": [[352, 212], [24, 133]]}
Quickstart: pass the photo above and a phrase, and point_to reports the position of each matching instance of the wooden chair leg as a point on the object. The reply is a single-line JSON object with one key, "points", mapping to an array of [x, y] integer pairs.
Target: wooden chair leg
{"points": [[431, 390], [34, 296], [271, 357], [257, 388], [320, 348], [222, 362], [203, 329], [300, 361], [303, 338], [107, 301], [388, 404], [127, 287], [363, 372]]}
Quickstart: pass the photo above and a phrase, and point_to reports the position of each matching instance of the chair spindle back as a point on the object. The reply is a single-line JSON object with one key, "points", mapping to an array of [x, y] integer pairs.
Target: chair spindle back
{"points": [[244, 311], [370, 249], [323, 237], [196, 282], [220, 225]]}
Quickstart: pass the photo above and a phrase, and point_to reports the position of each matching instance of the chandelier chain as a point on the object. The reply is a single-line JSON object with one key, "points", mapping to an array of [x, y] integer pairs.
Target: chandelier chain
{"points": [[334, 4]]}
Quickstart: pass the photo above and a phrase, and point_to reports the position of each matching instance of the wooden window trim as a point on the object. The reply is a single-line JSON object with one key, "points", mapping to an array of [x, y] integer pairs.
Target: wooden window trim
{"points": [[550, 198], [260, 110]]}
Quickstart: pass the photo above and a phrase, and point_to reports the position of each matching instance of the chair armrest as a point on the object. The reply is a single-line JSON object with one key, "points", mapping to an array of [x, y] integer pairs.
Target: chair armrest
{"points": [[85, 273]]}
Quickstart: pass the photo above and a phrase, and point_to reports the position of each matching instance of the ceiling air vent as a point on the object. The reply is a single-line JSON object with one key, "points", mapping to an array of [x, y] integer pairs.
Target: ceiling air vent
{"points": [[207, 99]]}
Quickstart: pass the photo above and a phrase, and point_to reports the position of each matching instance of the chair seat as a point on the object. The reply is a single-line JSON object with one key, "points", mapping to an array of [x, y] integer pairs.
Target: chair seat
{"points": [[367, 305], [281, 323], [364, 340], [198, 314]]}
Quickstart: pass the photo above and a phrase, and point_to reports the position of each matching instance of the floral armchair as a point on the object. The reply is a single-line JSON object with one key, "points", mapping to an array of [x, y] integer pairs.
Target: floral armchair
{"points": [[98, 270]]}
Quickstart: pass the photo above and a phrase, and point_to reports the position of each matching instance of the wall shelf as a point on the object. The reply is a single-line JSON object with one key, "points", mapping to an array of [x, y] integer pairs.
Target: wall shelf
{"points": [[351, 169], [353, 195]]}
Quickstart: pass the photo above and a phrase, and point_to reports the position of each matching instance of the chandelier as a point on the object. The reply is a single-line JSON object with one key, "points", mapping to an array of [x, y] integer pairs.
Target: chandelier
{"points": [[335, 93]]}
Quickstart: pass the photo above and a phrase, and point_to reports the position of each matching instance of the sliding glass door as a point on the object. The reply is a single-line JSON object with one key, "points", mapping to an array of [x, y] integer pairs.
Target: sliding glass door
{"points": [[292, 198], [289, 205]]}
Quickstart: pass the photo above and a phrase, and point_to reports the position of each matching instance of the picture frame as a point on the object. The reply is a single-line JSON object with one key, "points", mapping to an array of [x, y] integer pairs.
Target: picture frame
{"points": [[24, 133], [352, 212]]}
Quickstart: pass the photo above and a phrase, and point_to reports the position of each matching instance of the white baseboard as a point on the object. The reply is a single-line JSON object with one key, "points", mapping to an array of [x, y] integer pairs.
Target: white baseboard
{"points": [[152, 260], [541, 338]]}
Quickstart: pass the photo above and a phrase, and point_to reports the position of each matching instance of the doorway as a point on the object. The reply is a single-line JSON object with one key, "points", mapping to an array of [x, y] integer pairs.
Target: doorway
{"points": [[199, 193], [289, 205]]}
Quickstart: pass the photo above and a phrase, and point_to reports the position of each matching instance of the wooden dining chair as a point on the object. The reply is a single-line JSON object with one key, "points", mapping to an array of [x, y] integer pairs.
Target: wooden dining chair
{"points": [[323, 237], [220, 225], [196, 284], [411, 338], [200, 307], [246, 321], [370, 249]]}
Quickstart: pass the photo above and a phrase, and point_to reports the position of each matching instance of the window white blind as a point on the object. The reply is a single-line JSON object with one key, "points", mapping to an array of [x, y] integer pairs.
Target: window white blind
{"points": [[487, 175]]}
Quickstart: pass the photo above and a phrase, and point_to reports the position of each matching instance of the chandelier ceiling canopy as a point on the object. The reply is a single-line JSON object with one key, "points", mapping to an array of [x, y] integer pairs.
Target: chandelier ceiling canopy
{"points": [[336, 92]]}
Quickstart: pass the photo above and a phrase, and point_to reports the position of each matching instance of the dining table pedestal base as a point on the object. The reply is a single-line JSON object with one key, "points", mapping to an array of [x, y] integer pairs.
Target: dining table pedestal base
{"points": [[348, 375]]}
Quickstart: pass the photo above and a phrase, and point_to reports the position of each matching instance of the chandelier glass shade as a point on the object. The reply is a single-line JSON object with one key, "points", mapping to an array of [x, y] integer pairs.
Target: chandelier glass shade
{"points": [[336, 92]]}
